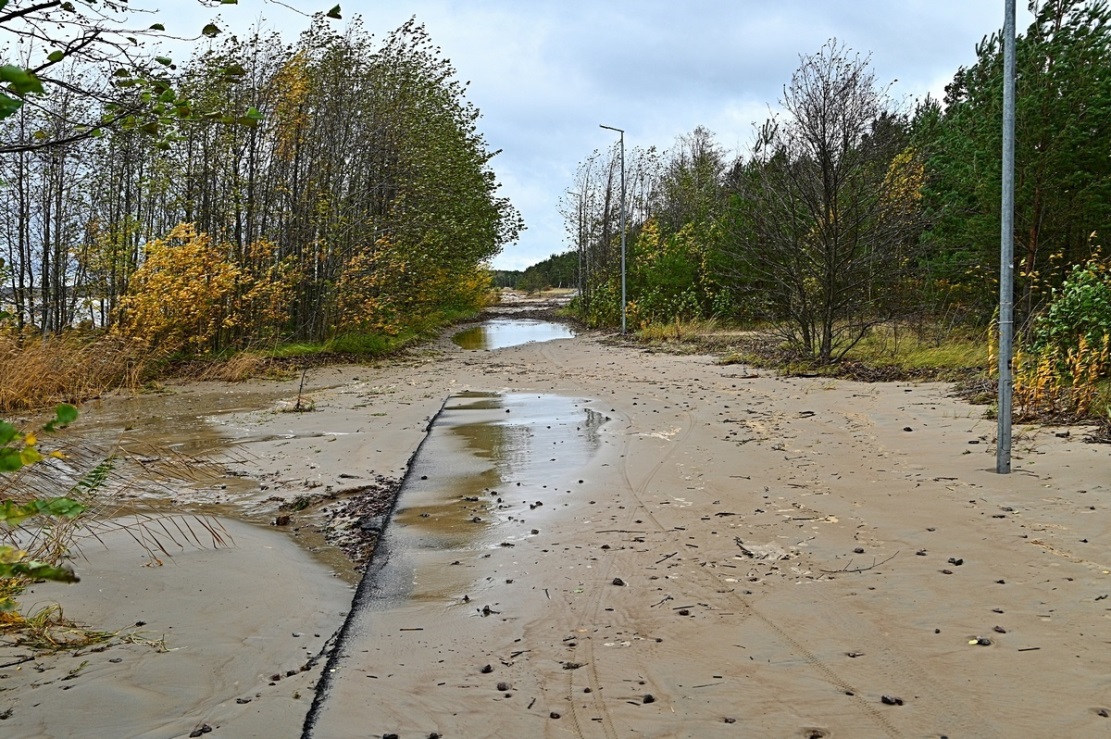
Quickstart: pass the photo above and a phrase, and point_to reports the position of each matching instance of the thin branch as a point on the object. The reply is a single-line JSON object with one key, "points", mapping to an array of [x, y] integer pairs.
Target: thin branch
{"points": [[873, 566]]}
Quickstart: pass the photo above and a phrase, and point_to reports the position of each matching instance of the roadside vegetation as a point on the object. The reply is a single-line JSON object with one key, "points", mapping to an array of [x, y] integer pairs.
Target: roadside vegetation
{"points": [[859, 237], [257, 207]]}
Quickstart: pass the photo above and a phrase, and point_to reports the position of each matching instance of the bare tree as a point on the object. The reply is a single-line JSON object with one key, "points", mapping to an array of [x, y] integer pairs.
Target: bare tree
{"points": [[824, 207]]}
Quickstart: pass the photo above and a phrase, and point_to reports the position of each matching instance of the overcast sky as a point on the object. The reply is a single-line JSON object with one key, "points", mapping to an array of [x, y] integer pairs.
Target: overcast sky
{"points": [[546, 73]]}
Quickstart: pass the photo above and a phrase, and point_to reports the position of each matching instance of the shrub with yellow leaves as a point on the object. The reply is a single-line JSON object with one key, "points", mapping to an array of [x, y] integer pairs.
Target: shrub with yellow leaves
{"points": [[179, 298]]}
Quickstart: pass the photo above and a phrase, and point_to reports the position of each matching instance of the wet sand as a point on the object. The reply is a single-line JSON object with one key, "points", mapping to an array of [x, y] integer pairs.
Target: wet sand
{"points": [[790, 553]]}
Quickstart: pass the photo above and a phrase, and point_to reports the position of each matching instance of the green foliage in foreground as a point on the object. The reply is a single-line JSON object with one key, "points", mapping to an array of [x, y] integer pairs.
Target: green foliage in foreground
{"points": [[18, 450]]}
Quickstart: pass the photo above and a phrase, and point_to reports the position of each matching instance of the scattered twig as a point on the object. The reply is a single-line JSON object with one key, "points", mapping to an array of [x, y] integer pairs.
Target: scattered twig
{"points": [[873, 566]]}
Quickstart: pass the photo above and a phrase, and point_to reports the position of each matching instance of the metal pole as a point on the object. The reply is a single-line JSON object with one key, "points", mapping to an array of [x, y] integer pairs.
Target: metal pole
{"points": [[1007, 247], [624, 302]]}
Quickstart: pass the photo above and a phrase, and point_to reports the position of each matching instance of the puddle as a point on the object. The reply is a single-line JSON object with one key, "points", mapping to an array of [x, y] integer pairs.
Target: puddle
{"points": [[501, 333], [493, 468]]}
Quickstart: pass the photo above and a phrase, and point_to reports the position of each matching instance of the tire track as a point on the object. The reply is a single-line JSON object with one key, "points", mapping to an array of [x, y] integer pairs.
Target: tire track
{"points": [[594, 607]]}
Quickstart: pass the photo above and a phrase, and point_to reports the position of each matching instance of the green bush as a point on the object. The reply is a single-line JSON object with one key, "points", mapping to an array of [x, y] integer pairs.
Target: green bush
{"points": [[1080, 308]]}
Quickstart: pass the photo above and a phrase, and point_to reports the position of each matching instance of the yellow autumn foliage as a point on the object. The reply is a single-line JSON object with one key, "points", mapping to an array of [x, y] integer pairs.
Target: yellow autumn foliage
{"points": [[290, 115], [178, 298], [904, 179]]}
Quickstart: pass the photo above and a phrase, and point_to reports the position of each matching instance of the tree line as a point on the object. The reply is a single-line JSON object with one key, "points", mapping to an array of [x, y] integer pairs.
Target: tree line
{"points": [[259, 191], [850, 210]]}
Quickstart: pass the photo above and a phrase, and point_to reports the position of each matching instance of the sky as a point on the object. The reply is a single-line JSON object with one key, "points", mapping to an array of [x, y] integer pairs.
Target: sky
{"points": [[545, 74]]}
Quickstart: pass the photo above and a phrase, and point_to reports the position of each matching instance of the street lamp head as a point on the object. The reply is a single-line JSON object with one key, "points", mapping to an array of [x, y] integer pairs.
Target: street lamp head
{"points": [[610, 128]]}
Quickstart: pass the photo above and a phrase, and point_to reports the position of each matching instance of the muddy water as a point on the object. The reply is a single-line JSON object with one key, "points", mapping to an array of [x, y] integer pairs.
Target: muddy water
{"points": [[491, 461], [501, 333], [175, 444]]}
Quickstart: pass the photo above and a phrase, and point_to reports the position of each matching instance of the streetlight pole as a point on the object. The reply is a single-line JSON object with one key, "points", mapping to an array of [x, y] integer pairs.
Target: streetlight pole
{"points": [[624, 302], [1007, 247]]}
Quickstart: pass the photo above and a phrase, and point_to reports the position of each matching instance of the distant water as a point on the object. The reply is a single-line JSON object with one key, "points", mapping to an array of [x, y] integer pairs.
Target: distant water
{"points": [[504, 332]]}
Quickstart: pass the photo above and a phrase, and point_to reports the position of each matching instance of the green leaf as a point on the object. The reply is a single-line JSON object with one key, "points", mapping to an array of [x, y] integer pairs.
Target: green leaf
{"points": [[7, 433], [211, 30], [334, 13], [252, 112], [165, 61], [158, 27], [64, 507], [8, 106], [229, 2], [29, 455], [10, 461], [56, 56], [65, 413], [235, 70], [247, 121], [20, 79]]}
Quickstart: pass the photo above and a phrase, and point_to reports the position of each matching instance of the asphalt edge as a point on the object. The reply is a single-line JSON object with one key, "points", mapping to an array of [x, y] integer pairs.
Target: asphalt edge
{"points": [[374, 566]]}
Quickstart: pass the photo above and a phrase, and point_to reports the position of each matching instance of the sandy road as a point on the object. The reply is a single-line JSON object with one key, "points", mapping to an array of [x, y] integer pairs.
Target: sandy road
{"points": [[791, 551]]}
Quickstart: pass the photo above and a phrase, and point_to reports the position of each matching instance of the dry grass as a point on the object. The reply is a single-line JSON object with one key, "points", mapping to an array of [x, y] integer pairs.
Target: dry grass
{"points": [[237, 368], [1071, 387], [36, 372]]}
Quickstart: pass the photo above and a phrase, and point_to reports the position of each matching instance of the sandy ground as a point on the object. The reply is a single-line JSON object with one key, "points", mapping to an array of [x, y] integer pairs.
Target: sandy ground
{"points": [[746, 555]]}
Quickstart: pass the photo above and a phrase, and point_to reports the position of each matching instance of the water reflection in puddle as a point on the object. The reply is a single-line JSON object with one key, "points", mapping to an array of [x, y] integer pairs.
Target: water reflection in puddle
{"points": [[493, 467], [503, 332]]}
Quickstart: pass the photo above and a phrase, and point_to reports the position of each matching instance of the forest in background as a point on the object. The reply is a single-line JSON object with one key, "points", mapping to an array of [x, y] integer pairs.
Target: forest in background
{"points": [[256, 193], [852, 213]]}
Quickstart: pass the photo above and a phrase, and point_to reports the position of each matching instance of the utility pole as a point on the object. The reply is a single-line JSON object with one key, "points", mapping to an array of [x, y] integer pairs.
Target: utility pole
{"points": [[623, 301], [1007, 248]]}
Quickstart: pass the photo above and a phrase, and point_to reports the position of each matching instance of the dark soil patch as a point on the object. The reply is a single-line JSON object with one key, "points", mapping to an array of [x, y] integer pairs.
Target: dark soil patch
{"points": [[350, 519]]}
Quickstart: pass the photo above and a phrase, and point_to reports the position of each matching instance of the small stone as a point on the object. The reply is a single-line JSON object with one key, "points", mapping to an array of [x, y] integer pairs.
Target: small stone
{"points": [[947, 572], [956, 561], [503, 686], [907, 428], [649, 698], [116, 660], [999, 630], [242, 701], [486, 669], [859, 550], [891, 700], [684, 612], [553, 714], [729, 720], [619, 582]]}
